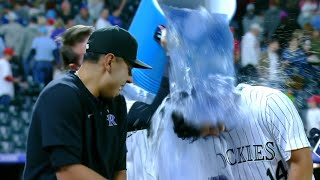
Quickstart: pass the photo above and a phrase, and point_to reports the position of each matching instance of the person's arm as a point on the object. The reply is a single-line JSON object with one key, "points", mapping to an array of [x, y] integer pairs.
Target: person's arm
{"points": [[31, 55], [118, 11], [77, 172], [285, 125], [300, 165], [120, 175], [33, 52], [10, 78], [141, 113]]}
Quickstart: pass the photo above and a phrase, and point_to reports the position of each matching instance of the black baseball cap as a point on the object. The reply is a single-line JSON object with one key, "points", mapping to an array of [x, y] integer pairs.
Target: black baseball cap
{"points": [[118, 41]]}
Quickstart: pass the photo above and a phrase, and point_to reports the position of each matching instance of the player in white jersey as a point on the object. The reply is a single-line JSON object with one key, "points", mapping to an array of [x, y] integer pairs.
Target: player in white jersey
{"points": [[270, 145]]}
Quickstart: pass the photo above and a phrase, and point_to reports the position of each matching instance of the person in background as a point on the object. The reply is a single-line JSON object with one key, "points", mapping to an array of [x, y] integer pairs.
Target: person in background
{"points": [[95, 7], [66, 11], [313, 113], [250, 53], [13, 34], [308, 9], [45, 53], [102, 22], [31, 32], [69, 23], [50, 26], [84, 18], [293, 58], [58, 30], [22, 11], [114, 18], [272, 19], [250, 18], [6, 78], [314, 46], [284, 31], [269, 65]]}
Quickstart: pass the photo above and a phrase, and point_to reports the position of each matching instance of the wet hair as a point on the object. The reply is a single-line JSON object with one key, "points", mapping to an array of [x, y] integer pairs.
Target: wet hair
{"points": [[75, 34]]}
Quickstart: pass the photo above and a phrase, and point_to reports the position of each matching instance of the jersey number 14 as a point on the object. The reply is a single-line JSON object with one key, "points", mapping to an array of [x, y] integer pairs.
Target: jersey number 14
{"points": [[281, 172]]}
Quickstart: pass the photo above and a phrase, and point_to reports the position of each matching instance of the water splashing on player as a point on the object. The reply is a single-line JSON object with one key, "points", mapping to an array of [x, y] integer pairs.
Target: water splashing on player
{"points": [[202, 89]]}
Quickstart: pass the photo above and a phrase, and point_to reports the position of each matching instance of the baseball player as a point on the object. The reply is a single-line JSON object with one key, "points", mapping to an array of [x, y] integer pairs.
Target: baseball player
{"points": [[269, 143]]}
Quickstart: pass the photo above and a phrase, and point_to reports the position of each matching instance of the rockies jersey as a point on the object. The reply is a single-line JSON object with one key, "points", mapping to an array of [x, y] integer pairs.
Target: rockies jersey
{"points": [[257, 148], [260, 146]]}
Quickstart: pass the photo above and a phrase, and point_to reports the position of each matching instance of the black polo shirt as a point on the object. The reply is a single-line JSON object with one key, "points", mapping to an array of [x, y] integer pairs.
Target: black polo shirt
{"points": [[70, 126]]}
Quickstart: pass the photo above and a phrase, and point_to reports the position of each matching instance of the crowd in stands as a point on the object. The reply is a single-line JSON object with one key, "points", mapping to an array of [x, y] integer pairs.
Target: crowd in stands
{"points": [[275, 45], [279, 48]]}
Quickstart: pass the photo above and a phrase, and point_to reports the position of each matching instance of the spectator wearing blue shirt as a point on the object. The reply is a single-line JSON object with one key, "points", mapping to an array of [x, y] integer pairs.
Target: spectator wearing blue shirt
{"points": [[45, 53], [114, 18], [84, 17], [294, 58]]}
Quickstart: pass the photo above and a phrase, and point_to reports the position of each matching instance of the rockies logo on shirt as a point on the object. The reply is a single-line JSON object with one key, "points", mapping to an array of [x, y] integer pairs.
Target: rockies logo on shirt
{"points": [[111, 120]]}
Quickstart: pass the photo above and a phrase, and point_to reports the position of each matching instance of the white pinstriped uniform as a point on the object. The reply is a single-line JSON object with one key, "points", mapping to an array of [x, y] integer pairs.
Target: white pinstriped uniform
{"points": [[256, 149], [260, 147]]}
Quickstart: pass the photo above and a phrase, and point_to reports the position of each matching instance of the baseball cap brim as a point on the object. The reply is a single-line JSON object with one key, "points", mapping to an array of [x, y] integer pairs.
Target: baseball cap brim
{"points": [[139, 64]]}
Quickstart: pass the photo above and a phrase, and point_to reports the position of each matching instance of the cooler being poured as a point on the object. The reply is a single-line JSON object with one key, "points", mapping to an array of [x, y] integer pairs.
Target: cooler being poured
{"points": [[201, 70], [202, 89]]}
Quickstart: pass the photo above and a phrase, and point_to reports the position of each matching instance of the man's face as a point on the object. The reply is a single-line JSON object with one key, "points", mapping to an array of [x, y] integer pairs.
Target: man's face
{"points": [[119, 75], [256, 32], [84, 12], [312, 104], [9, 57], [275, 46], [105, 13], [294, 42]]}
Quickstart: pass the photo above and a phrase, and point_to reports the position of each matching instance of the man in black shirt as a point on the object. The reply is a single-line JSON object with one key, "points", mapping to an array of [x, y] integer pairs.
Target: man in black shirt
{"points": [[79, 123]]}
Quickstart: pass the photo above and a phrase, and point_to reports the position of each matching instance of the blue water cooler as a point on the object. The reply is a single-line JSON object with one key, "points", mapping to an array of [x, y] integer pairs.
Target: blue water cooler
{"points": [[143, 27]]}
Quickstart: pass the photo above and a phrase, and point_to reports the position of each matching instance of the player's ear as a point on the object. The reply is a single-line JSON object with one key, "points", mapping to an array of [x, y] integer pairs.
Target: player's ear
{"points": [[73, 66], [107, 61]]}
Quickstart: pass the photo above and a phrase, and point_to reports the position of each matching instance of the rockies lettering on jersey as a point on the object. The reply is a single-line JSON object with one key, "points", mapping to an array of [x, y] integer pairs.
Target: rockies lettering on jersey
{"points": [[249, 153]]}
